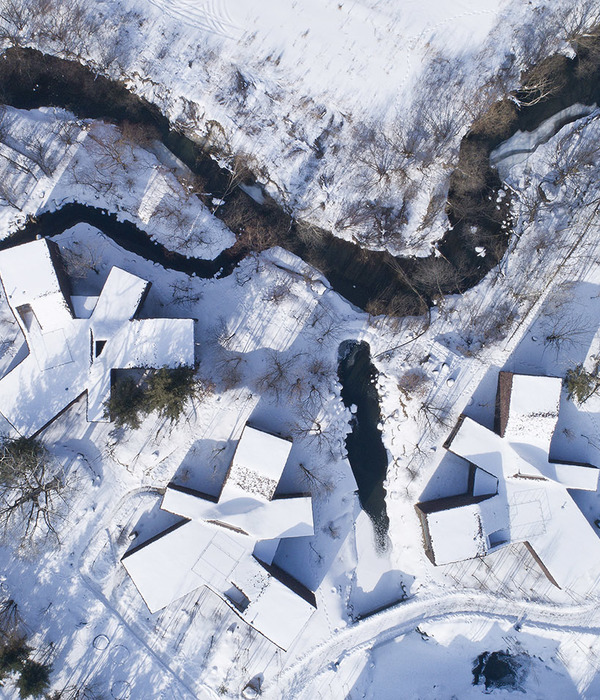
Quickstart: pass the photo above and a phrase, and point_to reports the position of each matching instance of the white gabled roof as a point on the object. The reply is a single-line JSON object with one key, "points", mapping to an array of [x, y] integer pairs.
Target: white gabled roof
{"points": [[532, 504], [191, 555], [274, 609], [119, 301], [28, 277], [177, 550], [217, 544], [287, 517], [257, 464], [63, 362], [533, 410], [28, 273], [456, 534]]}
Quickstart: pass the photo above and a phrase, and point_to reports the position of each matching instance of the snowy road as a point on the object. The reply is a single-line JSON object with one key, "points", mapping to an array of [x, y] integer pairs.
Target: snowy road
{"points": [[405, 617]]}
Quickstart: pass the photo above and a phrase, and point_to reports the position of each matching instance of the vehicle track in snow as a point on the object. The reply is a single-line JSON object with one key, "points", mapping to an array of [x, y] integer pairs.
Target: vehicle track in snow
{"points": [[210, 16]]}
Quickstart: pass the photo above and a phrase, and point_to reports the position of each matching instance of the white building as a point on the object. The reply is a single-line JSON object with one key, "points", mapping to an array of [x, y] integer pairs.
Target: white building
{"points": [[516, 493], [229, 543], [75, 342]]}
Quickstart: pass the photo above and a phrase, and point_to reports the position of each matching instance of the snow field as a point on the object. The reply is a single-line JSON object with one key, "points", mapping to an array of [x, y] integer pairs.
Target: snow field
{"points": [[274, 308]]}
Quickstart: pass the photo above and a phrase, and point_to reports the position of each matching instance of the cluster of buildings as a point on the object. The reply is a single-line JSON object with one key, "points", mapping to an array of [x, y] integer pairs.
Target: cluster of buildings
{"points": [[227, 543], [75, 342], [516, 493]]}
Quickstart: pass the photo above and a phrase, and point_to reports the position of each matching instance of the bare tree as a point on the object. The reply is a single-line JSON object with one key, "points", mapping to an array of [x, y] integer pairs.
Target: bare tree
{"points": [[81, 261], [87, 691], [276, 375], [32, 491], [314, 427], [8, 194], [183, 293], [566, 331], [39, 152]]}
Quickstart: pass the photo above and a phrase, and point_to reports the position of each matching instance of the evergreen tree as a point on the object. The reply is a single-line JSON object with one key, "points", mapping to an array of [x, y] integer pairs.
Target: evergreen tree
{"points": [[125, 404], [169, 390], [34, 679], [581, 384], [13, 656]]}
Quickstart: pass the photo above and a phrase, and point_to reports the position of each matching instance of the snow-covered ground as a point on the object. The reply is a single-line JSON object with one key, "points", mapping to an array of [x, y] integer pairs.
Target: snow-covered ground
{"points": [[349, 112], [268, 335]]}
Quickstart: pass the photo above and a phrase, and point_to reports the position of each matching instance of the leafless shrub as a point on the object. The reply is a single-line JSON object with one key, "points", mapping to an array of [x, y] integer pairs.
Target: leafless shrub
{"points": [[566, 332], [9, 195], [40, 153], [230, 371], [434, 209], [276, 375], [313, 427], [434, 415], [315, 482], [318, 369], [80, 261], [545, 79], [67, 132], [354, 213], [184, 293], [413, 383], [581, 20], [435, 275], [223, 333], [277, 293], [379, 153], [85, 176]]}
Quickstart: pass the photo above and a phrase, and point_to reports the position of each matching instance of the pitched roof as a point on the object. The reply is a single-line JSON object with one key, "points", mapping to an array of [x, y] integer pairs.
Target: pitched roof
{"points": [[215, 545], [70, 355], [532, 503]]}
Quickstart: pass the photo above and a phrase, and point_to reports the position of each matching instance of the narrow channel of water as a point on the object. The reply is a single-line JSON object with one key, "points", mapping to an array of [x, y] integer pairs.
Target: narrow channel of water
{"points": [[373, 279], [366, 453], [125, 234]]}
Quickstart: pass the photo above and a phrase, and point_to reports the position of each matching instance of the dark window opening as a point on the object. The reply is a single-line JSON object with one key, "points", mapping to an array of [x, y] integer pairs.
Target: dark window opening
{"points": [[237, 598]]}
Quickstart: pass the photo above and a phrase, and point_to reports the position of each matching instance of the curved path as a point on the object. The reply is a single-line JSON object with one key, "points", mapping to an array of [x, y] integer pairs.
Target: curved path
{"points": [[405, 617]]}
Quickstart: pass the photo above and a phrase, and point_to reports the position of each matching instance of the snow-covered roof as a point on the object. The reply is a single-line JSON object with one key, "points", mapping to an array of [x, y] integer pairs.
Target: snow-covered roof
{"points": [[216, 546], [456, 533], [191, 555], [286, 517], [532, 504], [257, 464], [29, 279], [74, 353]]}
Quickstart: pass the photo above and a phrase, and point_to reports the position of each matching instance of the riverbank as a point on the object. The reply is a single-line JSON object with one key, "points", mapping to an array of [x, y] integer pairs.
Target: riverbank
{"points": [[478, 208]]}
